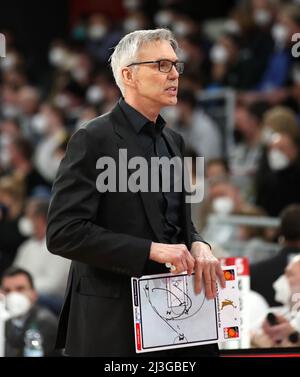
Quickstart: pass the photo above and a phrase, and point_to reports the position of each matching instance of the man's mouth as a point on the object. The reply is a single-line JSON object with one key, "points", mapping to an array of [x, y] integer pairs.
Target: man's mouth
{"points": [[172, 89]]}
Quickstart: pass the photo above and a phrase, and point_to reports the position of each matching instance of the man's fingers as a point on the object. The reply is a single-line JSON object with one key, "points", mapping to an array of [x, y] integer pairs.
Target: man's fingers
{"points": [[208, 282], [190, 263], [220, 274], [213, 280], [198, 278]]}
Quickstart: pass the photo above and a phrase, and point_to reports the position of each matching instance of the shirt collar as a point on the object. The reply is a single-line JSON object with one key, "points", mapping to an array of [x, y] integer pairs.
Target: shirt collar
{"points": [[138, 120]]}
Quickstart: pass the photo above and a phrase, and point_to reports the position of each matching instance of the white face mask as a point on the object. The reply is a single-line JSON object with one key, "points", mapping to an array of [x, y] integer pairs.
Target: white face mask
{"points": [[131, 24], [181, 29], [97, 31], [280, 34], [57, 56], [262, 17], [277, 159], [25, 226], [282, 290], [94, 94], [218, 54], [39, 123], [223, 205], [17, 304], [232, 26], [163, 18]]}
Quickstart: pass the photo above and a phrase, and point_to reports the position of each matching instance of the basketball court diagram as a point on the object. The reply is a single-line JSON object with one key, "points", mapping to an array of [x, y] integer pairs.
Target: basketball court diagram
{"points": [[171, 314]]}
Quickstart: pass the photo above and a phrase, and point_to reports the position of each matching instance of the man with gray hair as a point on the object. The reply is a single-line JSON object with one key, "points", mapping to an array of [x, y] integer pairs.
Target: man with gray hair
{"points": [[113, 235]]}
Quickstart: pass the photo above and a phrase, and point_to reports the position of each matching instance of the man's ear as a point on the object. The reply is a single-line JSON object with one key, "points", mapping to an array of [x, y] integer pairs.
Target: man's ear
{"points": [[128, 76]]}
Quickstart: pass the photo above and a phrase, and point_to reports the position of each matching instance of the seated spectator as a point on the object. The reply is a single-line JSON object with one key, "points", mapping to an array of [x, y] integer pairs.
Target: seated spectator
{"points": [[224, 198], [21, 301], [264, 273], [49, 271], [246, 153], [53, 132], [279, 119], [277, 71], [11, 207], [281, 327], [232, 65], [216, 169], [278, 176], [20, 163]]}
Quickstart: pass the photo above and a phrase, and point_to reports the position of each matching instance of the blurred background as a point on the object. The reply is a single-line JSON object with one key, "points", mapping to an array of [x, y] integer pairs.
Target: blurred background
{"points": [[238, 107]]}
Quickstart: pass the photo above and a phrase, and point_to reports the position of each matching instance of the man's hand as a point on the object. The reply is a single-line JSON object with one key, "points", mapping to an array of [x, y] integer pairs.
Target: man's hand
{"points": [[178, 255], [207, 269], [279, 332]]}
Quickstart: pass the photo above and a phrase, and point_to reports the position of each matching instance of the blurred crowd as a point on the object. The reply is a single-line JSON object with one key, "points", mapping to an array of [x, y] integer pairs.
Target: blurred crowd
{"points": [[248, 51]]}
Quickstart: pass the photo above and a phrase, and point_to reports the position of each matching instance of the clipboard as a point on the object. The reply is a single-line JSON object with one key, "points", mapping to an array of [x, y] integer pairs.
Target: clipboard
{"points": [[168, 314]]}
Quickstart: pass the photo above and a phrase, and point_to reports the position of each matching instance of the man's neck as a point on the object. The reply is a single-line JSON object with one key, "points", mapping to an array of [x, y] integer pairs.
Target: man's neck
{"points": [[149, 111]]}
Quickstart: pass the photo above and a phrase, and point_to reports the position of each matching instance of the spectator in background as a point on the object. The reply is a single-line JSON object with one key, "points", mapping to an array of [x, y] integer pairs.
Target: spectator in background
{"points": [[224, 198], [21, 301], [264, 273], [20, 163], [9, 129], [285, 332], [216, 169], [11, 207], [231, 64], [28, 104], [278, 175], [279, 119], [49, 271], [101, 36], [246, 153], [277, 75], [198, 130], [50, 124]]}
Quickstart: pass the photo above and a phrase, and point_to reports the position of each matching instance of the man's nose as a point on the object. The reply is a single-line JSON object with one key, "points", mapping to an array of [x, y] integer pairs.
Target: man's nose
{"points": [[174, 73]]}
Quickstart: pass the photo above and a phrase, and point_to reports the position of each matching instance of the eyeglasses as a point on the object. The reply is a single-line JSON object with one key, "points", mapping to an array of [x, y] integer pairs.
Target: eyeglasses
{"points": [[164, 65]]}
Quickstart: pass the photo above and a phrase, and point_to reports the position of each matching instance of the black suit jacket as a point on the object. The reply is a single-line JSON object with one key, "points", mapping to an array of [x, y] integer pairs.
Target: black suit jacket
{"points": [[107, 236]]}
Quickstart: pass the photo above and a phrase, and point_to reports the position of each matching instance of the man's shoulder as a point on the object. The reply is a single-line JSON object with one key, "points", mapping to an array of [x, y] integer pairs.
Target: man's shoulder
{"points": [[99, 125]]}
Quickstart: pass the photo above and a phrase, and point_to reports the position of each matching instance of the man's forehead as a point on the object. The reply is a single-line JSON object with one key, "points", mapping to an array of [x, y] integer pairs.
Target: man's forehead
{"points": [[16, 280], [156, 50]]}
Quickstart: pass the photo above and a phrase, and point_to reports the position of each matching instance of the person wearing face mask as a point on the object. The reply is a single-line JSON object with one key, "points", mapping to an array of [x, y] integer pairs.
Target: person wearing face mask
{"points": [[232, 65], [21, 303], [49, 271], [265, 273], [278, 175], [281, 325], [11, 207], [100, 37]]}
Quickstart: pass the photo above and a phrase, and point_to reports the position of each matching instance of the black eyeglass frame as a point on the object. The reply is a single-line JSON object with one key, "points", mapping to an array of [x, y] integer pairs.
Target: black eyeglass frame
{"points": [[179, 66]]}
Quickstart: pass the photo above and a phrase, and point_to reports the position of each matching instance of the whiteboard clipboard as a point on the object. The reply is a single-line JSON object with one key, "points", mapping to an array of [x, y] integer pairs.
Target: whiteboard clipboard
{"points": [[168, 314]]}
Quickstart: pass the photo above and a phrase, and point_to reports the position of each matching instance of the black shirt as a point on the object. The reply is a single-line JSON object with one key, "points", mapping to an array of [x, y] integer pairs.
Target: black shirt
{"points": [[154, 144]]}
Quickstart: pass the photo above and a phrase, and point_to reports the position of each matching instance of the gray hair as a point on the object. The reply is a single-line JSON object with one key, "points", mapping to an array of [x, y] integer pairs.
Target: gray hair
{"points": [[126, 51]]}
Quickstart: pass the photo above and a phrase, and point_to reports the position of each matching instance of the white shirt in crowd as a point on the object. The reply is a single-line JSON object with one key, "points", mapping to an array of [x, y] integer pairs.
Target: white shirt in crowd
{"points": [[50, 272]]}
